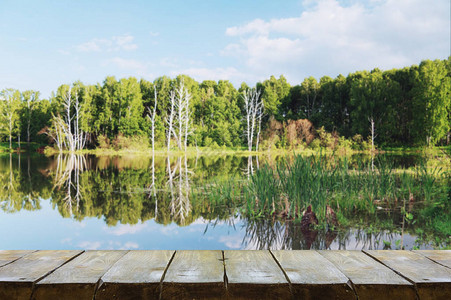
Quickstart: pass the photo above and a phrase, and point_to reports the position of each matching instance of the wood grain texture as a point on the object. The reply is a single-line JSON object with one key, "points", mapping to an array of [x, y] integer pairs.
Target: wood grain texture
{"points": [[432, 280], [17, 278], [254, 275], [441, 256], [78, 278], [195, 275], [371, 279], [137, 275], [312, 276], [8, 256]]}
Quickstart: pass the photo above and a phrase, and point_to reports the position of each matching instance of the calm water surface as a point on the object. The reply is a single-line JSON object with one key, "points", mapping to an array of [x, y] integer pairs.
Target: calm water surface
{"points": [[87, 202]]}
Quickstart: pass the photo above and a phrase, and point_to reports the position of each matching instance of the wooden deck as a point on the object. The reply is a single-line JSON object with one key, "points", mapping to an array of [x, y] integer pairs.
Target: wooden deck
{"points": [[227, 274]]}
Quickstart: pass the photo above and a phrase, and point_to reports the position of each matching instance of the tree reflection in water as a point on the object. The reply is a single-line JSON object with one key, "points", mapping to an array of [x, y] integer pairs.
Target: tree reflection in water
{"points": [[67, 177], [272, 234], [179, 186], [129, 190], [17, 188]]}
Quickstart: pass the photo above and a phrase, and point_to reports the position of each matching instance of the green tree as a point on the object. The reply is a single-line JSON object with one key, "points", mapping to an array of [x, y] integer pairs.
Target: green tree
{"points": [[310, 89], [10, 107], [129, 106], [335, 109], [372, 96], [432, 101], [274, 93], [29, 100]]}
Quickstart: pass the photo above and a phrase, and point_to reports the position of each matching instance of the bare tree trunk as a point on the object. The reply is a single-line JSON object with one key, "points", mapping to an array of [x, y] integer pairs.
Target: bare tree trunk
{"points": [[10, 130], [373, 136], [67, 104], [153, 120], [259, 118], [187, 117], [254, 111], [29, 120], [248, 109], [171, 119], [372, 133], [180, 105]]}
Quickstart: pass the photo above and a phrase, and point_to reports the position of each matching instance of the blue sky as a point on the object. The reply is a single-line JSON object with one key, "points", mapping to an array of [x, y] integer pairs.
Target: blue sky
{"points": [[44, 44]]}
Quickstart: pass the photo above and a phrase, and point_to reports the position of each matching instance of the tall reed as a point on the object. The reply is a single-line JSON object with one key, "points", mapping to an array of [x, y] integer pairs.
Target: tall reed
{"points": [[296, 182]]}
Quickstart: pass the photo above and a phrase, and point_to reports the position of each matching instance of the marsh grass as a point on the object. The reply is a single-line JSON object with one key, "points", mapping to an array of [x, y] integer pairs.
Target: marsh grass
{"points": [[293, 183]]}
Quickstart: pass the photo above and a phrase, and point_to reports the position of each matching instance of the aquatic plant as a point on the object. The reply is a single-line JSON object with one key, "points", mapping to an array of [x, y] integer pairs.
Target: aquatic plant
{"points": [[293, 183]]}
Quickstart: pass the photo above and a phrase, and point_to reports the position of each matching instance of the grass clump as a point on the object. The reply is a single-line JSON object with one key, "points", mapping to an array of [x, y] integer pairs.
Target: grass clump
{"points": [[293, 183]]}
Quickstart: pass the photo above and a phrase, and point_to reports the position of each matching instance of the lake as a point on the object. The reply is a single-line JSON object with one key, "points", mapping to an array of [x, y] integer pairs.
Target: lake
{"points": [[137, 202]]}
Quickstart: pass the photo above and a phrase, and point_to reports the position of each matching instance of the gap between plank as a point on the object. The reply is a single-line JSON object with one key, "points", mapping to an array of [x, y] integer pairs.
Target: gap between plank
{"points": [[33, 288], [164, 273], [99, 282], [406, 278], [283, 271], [437, 262], [226, 280], [349, 283], [19, 258]]}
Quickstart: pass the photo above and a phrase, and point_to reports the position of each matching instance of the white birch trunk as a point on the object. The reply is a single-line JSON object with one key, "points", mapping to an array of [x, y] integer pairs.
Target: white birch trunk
{"points": [[187, 117], [170, 121]]}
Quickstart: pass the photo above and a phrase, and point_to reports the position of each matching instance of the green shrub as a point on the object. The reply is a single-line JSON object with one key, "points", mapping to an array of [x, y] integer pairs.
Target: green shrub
{"points": [[104, 142], [315, 144]]}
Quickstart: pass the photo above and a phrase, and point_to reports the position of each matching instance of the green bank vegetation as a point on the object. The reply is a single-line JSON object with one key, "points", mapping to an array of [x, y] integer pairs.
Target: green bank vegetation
{"points": [[394, 108]]}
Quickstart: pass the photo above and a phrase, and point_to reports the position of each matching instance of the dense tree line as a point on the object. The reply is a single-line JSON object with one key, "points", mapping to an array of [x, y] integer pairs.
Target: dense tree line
{"points": [[409, 106]]}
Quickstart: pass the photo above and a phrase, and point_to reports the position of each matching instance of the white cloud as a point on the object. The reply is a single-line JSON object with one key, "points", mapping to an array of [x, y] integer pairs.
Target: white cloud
{"points": [[124, 42], [124, 63], [154, 34], [169, 230], [129, 245], [116, 43], [201, 74], [122, 229], [66, 241], [89, 245], [94, 45], [231, 241], [132, 67], [169, 62], [329, 38]]}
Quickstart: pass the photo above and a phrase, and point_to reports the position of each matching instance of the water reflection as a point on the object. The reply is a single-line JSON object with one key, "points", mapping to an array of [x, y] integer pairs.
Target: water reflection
{"points": [[178, 182], [67, 178], [136, 191], [266, 234], [17, 190]]}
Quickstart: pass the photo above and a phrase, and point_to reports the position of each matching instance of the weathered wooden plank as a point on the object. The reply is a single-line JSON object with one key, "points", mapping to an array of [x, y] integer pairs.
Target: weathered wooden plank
{"points": [[193, 275], [17, 278], [7, 256], [137, 275], [78, 278], [312, 276], [441, 256], [371, 279], [254, 275], [433, 281]]}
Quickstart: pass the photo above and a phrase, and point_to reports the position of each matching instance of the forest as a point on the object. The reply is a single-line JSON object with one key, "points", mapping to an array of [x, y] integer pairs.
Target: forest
{"points": [[399, 107]]}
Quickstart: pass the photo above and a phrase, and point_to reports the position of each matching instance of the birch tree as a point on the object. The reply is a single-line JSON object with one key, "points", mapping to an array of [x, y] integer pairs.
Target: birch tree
{"points": [[170, 119], [66, 131], [253, 107], [30, 98], [179, 117], [152, 114], [10, 112]]}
